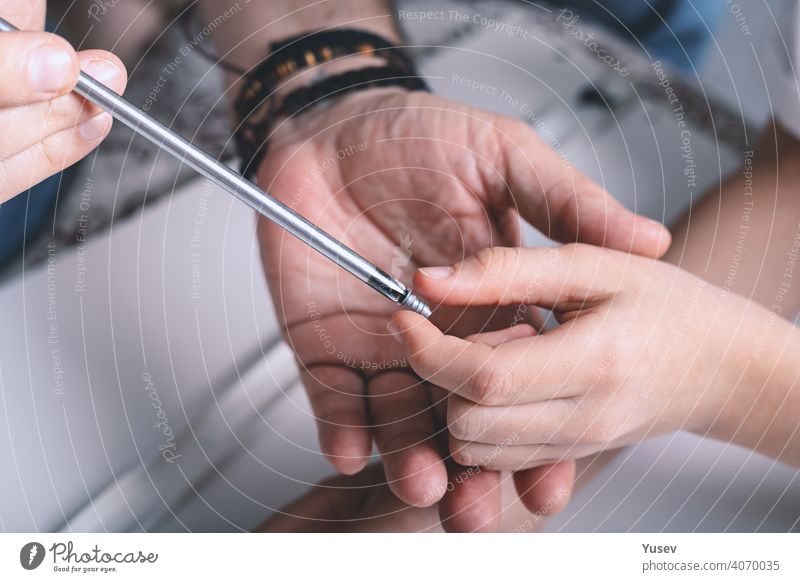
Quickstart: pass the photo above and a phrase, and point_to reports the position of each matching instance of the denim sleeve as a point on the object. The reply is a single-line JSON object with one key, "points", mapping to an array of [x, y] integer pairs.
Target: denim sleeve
{"points": [[25, 216], [677, 31]]}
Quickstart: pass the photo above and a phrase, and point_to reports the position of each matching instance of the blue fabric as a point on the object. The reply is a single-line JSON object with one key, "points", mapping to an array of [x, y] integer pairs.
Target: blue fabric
{"points": [[24, 216], [680, 38]]}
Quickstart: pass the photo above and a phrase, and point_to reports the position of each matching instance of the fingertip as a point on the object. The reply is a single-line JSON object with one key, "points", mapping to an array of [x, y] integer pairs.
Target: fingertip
{"points": [[347, 465], [521, 330], [404, 321], [73, 67], [51, 66], [546, 490], [416, 475], [642, 236], [95, 129], [347, 450], [350, 466], [105, 67], [430, 286], [472, 503], [656, 238]]}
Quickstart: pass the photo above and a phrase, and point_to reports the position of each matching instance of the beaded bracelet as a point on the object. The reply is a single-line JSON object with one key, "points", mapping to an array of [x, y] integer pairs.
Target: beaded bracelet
{"points": [[257, 109]]}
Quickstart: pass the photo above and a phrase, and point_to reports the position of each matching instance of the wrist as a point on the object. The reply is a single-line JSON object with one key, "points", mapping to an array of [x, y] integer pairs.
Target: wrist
{"points": [[245, 33], [761, 371], [326, 70], [322, 122], [301, 73]]}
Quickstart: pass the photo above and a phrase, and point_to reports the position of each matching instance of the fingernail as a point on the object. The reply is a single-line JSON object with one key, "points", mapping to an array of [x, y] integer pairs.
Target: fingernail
{"points": [[104, 71], [49, 68], [437, 272], [392, 328], [95, 128], [655, 229]]}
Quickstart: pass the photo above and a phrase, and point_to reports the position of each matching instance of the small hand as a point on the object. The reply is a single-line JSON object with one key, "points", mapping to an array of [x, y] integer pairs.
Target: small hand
{"points": [[643, 349]]}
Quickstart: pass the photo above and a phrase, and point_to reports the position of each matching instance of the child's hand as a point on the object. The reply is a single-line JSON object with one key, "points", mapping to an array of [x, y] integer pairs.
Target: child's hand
{"points": [[643, 348]]}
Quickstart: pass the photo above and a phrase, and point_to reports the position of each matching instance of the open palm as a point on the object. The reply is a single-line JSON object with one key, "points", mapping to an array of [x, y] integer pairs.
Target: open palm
{"points": [[408, 180]]}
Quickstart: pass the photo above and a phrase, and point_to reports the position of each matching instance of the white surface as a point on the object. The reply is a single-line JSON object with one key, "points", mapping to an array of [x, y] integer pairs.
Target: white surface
{"points": [[137, 314]]}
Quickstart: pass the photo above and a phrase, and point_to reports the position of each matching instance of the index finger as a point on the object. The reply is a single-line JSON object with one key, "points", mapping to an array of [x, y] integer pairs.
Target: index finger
{"points": [[522, 371]]}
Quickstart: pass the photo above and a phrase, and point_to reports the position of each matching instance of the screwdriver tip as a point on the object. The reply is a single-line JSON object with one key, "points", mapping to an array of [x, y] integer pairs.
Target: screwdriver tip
{"points": [[414, 303]]}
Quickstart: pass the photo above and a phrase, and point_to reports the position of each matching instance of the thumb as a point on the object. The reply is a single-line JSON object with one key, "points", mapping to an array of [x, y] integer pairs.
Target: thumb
{"points": [[24, 14], [565, 277], [569, 207], [36, 66]]}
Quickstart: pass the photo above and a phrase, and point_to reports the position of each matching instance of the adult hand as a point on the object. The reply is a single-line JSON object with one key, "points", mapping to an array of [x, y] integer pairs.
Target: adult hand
{"points": [[643, 349], [407, 178], [364, 503], [352, 503], [44, 127]]}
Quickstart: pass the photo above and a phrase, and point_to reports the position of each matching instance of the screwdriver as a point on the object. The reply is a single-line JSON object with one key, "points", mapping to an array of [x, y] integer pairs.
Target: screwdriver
{"points": [[186, 152]]}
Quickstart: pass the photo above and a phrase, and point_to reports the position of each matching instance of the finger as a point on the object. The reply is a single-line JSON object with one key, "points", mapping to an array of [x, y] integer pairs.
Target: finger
{"points": [[552, 421], [51, 155], [518, 372], [472, 502], [546, 490], [403, 424], [328, 506], [444, 360], [496, 338], [534, 316], [567, 206], [439, 398], [24, 14], [507, 456], [36, 66], [25, 126], [566, 277], [337, 400], [462, 322]]}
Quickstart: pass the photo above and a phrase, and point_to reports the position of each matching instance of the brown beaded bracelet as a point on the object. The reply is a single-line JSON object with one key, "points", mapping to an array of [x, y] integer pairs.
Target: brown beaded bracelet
{"points": [[257, 109]]}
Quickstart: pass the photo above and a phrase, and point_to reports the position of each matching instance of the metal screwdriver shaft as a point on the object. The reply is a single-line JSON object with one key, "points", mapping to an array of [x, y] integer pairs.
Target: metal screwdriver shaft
{"points": [[230, 180]]}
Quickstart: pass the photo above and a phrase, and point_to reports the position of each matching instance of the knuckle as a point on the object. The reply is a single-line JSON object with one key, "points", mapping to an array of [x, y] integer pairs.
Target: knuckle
{"points": [[53, 155], [421, 360], [466, 425], [492, 260], [464, 453], [490, 386], [601, 431], [599, 427], [61, 110], [472, 337], [47, 153], [517, 134], [612, 358]]}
